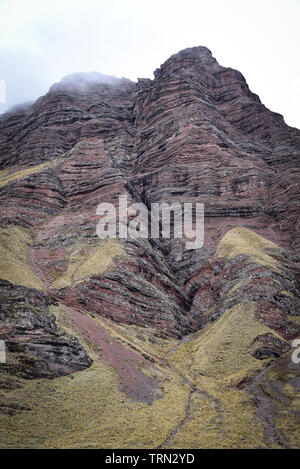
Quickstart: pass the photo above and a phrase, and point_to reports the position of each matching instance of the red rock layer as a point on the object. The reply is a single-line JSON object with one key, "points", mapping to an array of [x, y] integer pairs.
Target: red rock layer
{"points": [[195, 133]]}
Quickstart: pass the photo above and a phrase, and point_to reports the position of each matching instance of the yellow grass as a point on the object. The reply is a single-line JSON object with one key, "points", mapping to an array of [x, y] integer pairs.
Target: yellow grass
{"points": [[15, 242], [18, 172], [88, 410], [240, 240], [95, 262]]}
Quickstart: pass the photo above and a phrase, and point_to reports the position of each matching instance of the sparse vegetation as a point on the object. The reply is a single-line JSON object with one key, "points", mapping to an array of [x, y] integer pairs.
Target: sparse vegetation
{"points": [[240, 240], [14, 173], [15, 242], [96, 261], [200, 403]]}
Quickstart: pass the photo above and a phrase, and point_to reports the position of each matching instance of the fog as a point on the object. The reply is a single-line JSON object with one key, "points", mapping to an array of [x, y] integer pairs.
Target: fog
{"points": [[82, 81], [43, 41]]}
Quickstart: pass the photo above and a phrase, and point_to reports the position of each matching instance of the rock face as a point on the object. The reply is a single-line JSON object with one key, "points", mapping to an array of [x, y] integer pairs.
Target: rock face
{"points": [[37, 347], [195, 133]]}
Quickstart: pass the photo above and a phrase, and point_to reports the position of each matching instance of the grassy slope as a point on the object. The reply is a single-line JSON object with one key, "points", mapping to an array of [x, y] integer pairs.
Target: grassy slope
{"points": [[96, 262], [201, 404], [15, 243], [14, 173]]}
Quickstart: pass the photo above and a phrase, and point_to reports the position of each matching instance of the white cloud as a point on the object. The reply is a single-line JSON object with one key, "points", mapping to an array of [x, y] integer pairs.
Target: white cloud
{"points": [[42, 41]]}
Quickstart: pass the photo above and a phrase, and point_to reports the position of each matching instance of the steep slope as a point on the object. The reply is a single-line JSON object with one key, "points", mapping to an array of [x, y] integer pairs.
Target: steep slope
{"points": [[194, 344], [232, 384]]}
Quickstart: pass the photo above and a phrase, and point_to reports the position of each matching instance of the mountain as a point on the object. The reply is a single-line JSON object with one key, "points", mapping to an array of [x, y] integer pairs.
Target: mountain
{"points": [[141, 342]]}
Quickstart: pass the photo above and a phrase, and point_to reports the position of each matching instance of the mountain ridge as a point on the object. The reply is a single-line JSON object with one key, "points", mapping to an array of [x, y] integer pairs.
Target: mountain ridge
{"points": [[196, 342]]}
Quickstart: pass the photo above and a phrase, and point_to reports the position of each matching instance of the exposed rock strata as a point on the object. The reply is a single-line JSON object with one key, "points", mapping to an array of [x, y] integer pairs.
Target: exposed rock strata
{"points": [[35, 346], [195, 133]]}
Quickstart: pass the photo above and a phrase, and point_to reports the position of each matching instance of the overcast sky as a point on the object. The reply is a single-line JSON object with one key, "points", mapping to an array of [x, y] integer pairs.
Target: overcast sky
{"points": [[41, 41]]}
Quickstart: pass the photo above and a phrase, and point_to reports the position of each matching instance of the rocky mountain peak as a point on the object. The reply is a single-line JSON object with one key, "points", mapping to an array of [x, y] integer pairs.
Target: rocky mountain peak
{"points": [[185, 61]]}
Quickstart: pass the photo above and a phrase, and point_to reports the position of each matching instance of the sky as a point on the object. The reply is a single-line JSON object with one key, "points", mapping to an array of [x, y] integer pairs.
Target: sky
{"points": [[41, 41]]}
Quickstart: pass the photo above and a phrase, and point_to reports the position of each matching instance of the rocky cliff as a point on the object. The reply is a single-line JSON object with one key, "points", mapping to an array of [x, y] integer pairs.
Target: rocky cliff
{"points": [[166, 347]]}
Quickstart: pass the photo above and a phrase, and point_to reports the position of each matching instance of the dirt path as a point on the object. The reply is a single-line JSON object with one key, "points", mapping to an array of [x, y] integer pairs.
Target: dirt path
{"points": [[177, 427]]}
